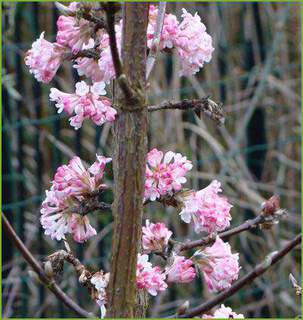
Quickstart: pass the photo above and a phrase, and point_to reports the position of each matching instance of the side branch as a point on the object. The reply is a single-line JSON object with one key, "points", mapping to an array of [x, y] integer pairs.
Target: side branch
{"points": [[212, 109], [120, 76], [247, 225], [256, 272], [86, 53], [48, 282]]}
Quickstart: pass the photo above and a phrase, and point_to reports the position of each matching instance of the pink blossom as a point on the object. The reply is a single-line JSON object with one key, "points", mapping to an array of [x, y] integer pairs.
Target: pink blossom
{"points": [[224, 313], [88, 66], [164, 175], [106, 62], [193, 44], [44, 59], [55, 218], [155, 236], [81, 228], [73, 32], [181, 270], [100, 281], [169, 32], [73, 6], [152, 279], [71, 184], [219, 266], [87, 103], [209, 211], [97, 168]]}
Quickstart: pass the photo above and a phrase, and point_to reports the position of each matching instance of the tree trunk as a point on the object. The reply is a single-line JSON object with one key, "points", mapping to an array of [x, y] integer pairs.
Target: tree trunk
{"points": [[130, 143]]}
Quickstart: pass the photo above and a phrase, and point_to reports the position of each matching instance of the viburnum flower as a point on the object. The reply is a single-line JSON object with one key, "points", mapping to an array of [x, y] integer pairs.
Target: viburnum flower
{"points": [[71, 185], [100, 281], [73, 32], [169, 32], [88, 66], [164, 175], [224, 313], [44, 59], [189, 38], [88, 102], [152, 279], [209, 211], [155, 236], [181, 270], [193, 44], [219, 265]]}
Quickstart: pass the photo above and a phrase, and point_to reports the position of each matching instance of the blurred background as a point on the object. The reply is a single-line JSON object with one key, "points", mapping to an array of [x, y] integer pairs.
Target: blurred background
{"points": [[255, 71]]}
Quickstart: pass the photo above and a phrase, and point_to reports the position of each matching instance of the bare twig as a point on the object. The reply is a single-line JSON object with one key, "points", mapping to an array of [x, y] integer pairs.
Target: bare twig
{"points": [[270, 260], [247, 225], [89, 205], [294, 283], [151, 59], [110, 18], [212, 109], [48, 282], [86, 53], [120, 76]]}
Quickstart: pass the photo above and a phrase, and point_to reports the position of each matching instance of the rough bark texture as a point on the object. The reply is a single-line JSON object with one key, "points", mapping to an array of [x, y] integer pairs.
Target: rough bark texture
{"points": [[129, 165]]}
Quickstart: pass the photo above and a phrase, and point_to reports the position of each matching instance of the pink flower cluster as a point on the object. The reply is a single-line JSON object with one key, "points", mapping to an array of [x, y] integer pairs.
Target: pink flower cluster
{"points": [[181, 270], [190, 39], [209, 211], [169, 32], [71, 184], [155, 236], [224, 313], [88, 102], [219, 266], [100, 282], [164, 174], [44, 59], [193, 44], [73, 32], [152, 279]]}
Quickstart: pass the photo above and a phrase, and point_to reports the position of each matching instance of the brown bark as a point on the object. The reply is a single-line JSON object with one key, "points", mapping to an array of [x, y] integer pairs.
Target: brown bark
{"points": [[130, 145]]}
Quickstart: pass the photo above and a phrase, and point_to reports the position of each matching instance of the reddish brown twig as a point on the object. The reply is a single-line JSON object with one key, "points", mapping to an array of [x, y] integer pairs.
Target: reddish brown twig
{"points": [[212, 109], [247, 225], [86, 53], [110, 10], [48, 282], [248, 278]]}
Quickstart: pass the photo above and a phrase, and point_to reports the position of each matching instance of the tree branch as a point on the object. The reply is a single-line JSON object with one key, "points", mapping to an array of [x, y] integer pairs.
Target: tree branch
{"points": [[212, 109], [151, 59], [89, 205], [48, 282], [120, 76], [247, 225], [86, 53], [256, 272]]}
